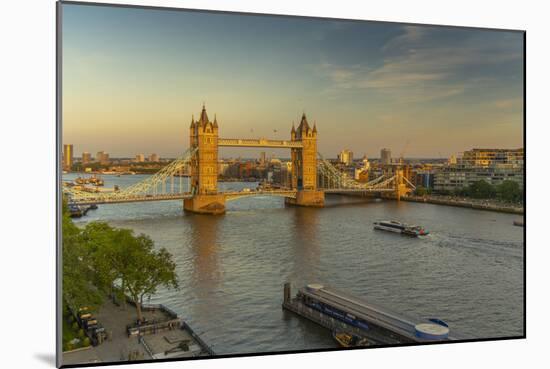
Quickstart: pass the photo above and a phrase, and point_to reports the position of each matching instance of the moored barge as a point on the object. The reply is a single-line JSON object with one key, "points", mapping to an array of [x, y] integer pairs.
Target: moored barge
{"points": [[342, 312]]}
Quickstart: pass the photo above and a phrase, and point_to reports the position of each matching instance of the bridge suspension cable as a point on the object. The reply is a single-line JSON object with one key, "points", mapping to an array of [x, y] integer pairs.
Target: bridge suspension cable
{"points": [[151, 185], [332, 178]]}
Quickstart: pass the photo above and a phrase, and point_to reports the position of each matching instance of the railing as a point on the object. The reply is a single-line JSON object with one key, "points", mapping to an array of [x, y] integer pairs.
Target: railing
{"points": [[206, 348], [136, 198]]}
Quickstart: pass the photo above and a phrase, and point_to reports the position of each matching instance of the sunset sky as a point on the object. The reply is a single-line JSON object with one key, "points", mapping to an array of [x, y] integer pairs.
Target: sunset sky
{"points": [[132, 78]]}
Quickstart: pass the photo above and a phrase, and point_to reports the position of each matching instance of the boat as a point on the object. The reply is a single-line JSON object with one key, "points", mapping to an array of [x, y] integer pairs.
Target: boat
{"points": [[398, 227], [96, 181], [75, 211], [349, 340]]}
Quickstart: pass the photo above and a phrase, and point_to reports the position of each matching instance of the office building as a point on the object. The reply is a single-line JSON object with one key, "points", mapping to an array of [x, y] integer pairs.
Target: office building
{"points": [[385, 156], [86, 158], [491, 165], [68, 156], [102, 158], [345, 157]]}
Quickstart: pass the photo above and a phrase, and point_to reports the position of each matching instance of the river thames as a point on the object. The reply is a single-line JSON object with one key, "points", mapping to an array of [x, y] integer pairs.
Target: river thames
{"points": [[231, 268]]}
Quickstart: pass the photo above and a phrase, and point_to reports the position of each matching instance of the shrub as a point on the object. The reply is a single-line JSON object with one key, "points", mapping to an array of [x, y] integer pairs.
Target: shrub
{"points": [[81, 333], [421, 191], [86, 342], [75, 325]]}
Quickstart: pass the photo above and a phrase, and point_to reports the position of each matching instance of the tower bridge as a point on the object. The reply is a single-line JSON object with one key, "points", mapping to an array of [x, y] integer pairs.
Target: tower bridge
{"points": [[311, 175]]}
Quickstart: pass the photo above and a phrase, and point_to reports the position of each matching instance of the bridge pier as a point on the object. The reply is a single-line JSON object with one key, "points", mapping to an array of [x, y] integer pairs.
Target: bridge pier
{"points": [[205, 204], [307, 198]]}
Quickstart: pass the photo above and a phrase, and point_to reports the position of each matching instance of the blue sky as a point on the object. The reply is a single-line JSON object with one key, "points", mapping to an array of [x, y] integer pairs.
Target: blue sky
{"points": [[132, 78]]}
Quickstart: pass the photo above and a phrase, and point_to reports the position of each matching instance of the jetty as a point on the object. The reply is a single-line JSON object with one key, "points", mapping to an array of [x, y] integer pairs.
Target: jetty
{"points": [[342, 312]]}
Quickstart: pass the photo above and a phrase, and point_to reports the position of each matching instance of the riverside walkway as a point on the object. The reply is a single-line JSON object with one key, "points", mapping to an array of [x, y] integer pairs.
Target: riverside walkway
{"points": [[120, 347], [479, 204]]}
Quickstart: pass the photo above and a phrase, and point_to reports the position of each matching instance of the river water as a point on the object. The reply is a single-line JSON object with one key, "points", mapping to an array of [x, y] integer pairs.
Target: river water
{"points": [[468, 271]]}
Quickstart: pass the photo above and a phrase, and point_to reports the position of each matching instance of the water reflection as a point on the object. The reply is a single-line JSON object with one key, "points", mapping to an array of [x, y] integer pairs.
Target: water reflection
{"points": [[305, 244], [205, 248]]}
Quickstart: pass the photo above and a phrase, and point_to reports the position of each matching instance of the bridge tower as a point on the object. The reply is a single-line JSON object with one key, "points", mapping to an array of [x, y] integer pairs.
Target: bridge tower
{"points": [[203, 136], [304, 166], [401, 188]]}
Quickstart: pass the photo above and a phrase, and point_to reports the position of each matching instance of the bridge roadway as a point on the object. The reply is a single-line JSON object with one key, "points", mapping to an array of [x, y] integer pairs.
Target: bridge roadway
{"points": [[356, 190], [229, 195]]}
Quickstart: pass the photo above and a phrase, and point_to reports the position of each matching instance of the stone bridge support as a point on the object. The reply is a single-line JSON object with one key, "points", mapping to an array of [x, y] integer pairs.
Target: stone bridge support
{"points": [[205, 204]]}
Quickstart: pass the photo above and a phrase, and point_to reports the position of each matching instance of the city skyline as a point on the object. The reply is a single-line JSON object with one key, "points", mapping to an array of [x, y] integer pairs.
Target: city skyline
{"points": [[263, 154], [133, 79]]}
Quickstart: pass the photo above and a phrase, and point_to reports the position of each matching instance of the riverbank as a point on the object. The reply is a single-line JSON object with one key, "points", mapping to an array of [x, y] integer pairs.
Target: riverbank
{"points": [[478, 204]]}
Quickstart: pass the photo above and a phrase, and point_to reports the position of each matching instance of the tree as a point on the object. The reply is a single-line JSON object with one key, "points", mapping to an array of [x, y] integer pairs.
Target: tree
{"points": [[481, 190], [146, 269], [98, 256], [77, 276], [101, 240], [509, 191], [421, 191]]}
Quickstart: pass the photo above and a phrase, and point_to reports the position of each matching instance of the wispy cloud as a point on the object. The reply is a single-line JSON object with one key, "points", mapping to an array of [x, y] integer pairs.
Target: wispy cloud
{"points": [[417, 69], [509, 103]]}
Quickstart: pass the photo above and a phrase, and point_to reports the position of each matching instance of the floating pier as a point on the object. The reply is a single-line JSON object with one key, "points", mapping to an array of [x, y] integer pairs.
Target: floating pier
{"points": [[339, 311]]}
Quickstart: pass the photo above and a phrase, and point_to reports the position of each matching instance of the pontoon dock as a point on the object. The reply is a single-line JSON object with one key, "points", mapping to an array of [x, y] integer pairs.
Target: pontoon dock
{"points": [[337, 310]]}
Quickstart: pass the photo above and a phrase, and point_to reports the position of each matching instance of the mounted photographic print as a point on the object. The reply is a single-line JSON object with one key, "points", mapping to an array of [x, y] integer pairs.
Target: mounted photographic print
{"points": [[245, 184]]}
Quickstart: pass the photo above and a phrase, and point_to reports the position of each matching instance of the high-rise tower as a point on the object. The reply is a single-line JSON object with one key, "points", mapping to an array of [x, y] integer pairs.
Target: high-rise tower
{"points": [[68, 156]]}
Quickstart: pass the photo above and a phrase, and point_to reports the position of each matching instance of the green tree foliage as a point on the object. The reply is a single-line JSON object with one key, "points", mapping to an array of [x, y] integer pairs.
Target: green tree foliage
{"points": [[481, 190], [98, 256], [111, 250], [421, 191], [146, 270], [77, 287], [100, 239], [95, 166], [509, 191]]}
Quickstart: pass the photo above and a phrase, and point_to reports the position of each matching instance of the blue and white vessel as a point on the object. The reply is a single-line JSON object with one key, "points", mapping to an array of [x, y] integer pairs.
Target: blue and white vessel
{"points": [[402, 228]]}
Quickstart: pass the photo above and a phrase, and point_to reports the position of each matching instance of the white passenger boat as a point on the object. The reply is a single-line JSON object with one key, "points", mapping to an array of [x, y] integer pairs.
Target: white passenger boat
{"points": [[398, 227]]}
